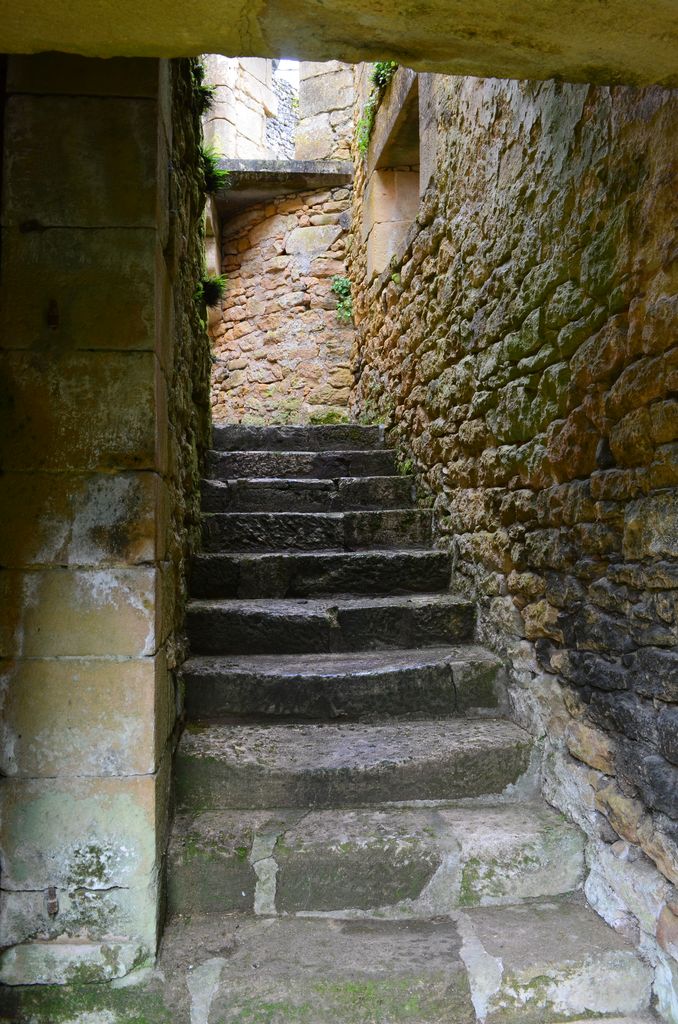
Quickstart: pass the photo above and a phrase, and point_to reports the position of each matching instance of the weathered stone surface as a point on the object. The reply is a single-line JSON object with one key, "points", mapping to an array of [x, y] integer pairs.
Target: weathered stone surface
{"points": [[330, 437], [345, 765], [591, 746], [329, 624], [526, 373], [84, 717], [104, 344], [308, 574], [432, 681], [307, 495], [282, 353], [308, 531], [81, 612], [487, 41], [75, 520], [414, 861], [549, 960], [323, 465]]}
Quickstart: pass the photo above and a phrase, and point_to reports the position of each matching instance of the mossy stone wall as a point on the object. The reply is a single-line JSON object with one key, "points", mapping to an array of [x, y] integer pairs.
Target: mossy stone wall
{"points": [[523, 353]]}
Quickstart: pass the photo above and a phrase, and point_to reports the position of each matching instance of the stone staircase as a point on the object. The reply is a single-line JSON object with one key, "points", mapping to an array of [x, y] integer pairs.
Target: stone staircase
{"points": [[359, 836]]}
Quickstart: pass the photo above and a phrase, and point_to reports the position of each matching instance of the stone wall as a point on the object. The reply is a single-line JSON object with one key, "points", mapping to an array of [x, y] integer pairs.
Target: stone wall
{"points": [[244, 100], [281, 354], [326, 95], [281, 129], [523, 352], [105, 413]]}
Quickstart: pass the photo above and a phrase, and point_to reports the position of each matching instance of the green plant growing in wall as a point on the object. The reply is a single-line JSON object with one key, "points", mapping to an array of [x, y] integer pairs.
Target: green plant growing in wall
{"points": [[341, 286], [216, 178], [204, 93], [382, 73], [211, 290]]}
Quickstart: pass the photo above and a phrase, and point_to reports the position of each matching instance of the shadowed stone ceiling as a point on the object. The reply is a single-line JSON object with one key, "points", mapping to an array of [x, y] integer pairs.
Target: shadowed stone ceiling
{"points": [[604, 41]]}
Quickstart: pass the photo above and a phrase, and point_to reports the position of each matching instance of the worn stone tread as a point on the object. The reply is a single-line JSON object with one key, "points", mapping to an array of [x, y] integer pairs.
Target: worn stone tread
{"points": [[289, 494], [239, 969], [306, 625], [314, 437], [316, 464], [318, 573], [413, 861], [348, 764], [436, 681], [550, 957], [307, 531]]}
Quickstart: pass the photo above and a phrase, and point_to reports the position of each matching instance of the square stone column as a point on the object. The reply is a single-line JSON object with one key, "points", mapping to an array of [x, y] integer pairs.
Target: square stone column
{"points": [[86, 585]]}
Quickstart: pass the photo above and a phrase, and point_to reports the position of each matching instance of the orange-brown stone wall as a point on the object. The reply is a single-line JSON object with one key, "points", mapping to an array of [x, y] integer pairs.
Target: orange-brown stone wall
{"points": [[524, 354]]}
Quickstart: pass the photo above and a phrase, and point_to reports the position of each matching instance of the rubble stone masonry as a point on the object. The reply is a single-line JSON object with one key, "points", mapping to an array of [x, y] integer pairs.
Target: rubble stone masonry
{"points": [[281, 353], [523, 353]]}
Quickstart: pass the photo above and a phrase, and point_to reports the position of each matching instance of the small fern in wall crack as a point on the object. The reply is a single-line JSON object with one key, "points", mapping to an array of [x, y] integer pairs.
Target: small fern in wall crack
{"points": [[341, 286], [211, 290], [204, 93], [216, 179], [382, 73]]}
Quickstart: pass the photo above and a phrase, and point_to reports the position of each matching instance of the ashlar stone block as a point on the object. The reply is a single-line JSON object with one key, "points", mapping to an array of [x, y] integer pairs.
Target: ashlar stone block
{"points": [[81, 411], [82, 716], [85, 519], [79, 289], [113, 612], [51, 177]]}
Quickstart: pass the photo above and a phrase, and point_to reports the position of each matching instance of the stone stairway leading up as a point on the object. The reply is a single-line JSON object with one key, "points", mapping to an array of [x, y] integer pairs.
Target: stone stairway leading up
{"points": [[358, 835]]}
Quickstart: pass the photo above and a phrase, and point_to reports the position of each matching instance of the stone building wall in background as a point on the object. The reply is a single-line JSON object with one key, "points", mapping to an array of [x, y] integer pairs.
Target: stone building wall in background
{"points": [[244, 101], [281, 354], [326, 97], [281, 129], [523, 353]]}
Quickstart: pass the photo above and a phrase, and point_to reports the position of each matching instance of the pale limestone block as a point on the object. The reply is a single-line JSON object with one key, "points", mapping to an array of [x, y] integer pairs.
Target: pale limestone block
{"points": [[76, 272], [81, 612], [312, 239], [84, 716], [69, 519]]}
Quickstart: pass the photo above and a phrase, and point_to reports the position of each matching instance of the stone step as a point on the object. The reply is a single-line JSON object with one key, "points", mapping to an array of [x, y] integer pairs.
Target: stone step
{"points": [[312, 438], [308, 765], [409, 861], [272, 494], [316, 531], [321, 465], [306, 625], [434, 681], [318, 573], [549, 960]]}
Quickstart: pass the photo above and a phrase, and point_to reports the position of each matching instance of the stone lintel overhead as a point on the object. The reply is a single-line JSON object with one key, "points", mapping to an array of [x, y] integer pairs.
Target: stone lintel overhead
{"points": [[255, 181]]}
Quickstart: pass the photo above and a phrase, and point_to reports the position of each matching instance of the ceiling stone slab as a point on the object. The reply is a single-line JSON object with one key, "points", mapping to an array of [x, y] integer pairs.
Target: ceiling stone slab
{"points": [[601, 41]]}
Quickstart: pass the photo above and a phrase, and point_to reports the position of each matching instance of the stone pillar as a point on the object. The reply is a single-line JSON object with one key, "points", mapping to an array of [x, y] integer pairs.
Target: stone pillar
{"points": [[85, 591]]}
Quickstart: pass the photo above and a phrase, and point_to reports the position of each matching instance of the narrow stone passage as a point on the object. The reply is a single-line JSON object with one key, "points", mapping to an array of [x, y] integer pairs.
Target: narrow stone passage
{"points": [[358, 835]]}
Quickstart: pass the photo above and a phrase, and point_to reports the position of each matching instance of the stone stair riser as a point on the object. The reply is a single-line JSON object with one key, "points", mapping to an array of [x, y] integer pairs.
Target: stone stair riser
{"points": [[316, 465], [331, 437], [299, 574], [289, 495], [211, 784], [411, 861], [308, 531], [221, 629], [429, 690]]}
